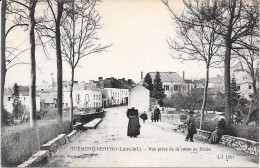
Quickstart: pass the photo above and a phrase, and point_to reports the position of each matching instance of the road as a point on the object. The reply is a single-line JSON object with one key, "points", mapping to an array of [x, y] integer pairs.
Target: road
{"points": [[155, 147]]}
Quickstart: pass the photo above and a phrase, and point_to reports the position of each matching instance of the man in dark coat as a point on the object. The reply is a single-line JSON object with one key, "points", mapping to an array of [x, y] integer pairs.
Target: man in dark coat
{"points": [[157, 114], [133, 124], [191, 124]]}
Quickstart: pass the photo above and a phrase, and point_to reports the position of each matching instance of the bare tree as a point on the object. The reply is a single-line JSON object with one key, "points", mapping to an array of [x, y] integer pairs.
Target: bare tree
{"points": [[237, 20], [48, 27], [30, 7], [82, 41], [3, 67], [195, 41]]}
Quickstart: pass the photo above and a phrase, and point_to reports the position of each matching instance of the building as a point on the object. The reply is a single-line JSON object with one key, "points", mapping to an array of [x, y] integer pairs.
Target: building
{"points": [[48, 100], [116, 90], [215, 85], [139, 98], [85, 95], [244, 83], [25, 101], [171, 81]]}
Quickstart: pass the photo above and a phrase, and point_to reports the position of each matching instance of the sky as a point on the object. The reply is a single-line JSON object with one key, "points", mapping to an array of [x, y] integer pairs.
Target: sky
{"points": [[137, 30]]}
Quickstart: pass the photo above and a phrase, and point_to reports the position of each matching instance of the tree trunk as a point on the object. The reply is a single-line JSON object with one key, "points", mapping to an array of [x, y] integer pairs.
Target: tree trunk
{"points": [[228, 46], [33, 119], [205, 95], [71, 97], [3, 66], [59, 62]]}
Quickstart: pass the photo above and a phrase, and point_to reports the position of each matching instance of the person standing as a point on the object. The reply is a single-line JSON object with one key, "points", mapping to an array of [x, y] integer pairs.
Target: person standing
{"points": [[133, 123], [157, 114], [191, 124]]}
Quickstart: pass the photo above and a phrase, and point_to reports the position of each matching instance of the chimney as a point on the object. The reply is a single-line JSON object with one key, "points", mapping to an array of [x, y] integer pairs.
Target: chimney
{"points": [[183, 75], [141, 74], [123, 79]]}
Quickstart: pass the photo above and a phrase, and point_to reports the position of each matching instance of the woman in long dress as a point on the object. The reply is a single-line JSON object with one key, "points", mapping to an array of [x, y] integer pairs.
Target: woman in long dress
{"points": [[133, 124]]}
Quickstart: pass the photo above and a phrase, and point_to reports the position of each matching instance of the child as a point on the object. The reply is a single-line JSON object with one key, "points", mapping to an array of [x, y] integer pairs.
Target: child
{"points": [[143, 116]]}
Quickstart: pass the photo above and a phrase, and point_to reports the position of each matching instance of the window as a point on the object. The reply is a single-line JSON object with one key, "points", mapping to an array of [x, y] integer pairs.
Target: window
{"points": [[249, 87], [176, 88], [166, 87], [94, 97], [77, 98], [238, 87], [86, 97]]}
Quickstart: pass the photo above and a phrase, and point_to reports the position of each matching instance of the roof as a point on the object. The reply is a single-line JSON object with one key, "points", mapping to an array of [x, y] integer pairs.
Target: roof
{"points": [[216, 80], [89, 86], [168, 76], [139, 88]]}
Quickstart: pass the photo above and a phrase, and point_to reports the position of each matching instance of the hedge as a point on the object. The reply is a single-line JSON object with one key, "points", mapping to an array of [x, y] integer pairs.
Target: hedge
{"points": [[18, 143], [244, 131]]}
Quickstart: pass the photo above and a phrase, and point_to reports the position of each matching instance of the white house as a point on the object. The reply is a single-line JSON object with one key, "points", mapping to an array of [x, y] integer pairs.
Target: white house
{"points": [[172, 82], [87, 96], [244, 83], [25, 101], [117, 96], [139, 98]]}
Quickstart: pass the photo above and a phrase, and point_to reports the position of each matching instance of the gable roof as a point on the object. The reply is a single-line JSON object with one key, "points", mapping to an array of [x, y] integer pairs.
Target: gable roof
{"points": [[168, 76], [216, 80], [139, 87], [89, 86]]}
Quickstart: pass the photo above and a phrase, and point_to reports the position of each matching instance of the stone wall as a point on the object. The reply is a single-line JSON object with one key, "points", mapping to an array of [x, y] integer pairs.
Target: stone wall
{"points": [[241, 144]]}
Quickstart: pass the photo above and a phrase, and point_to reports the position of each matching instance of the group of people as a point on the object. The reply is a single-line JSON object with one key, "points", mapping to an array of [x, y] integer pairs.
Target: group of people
{"points": [[134, 125], [214, 137]]}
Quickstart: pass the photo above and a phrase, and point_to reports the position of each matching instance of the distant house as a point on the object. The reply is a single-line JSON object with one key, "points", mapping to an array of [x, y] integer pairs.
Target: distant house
{"points": [[48, 100], [171, 81], [215, 85], [85, 95], [25, 101], [244, 83], [139, 98], [117, 90]]}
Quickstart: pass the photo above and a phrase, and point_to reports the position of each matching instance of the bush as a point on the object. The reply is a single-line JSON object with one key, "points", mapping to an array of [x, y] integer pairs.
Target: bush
{"points": [[7, 118], [207, 125], [245, 131]]}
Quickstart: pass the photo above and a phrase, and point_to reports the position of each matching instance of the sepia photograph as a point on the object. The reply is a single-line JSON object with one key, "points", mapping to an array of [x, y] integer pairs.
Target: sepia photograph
{"points": [[130, 83]]}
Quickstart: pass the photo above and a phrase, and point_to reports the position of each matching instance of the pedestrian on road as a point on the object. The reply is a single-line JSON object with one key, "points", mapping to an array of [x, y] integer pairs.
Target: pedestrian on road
{"points": [[191, 124], [143, 116], [133, 124], [157, 114]]}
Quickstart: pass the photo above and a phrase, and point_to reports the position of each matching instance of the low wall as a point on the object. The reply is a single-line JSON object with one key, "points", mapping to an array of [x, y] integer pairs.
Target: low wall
{"points": [[84, 118], [19, 144], [241, 144]]}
